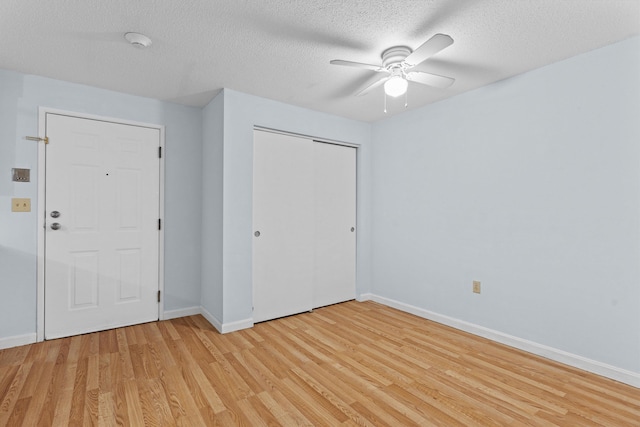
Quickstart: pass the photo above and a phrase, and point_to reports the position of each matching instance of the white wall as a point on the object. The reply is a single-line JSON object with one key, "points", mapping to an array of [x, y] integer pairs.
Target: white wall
{"points": [[212, 179], [241, 113], [530, 185], [20, 97]]}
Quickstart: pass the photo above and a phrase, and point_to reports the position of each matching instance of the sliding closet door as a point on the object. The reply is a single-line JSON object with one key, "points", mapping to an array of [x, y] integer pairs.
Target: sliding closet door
{"points": [[283, 215], [335, 237]]}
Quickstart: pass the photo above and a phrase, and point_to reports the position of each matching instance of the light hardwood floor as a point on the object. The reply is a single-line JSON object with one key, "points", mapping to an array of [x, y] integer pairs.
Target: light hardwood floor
{"points": [[347, 364]]}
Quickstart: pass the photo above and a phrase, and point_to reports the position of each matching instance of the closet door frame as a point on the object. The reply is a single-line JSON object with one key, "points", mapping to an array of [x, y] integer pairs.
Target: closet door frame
{"points": [[259, 266]]}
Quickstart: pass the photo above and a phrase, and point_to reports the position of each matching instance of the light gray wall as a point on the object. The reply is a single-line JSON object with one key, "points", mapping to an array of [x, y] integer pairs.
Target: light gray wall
{"points": [[241, 113], [530, 185], [212, 178], [20, 97]]}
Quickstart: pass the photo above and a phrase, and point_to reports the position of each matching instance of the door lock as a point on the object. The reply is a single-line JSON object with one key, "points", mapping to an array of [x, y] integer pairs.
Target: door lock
{"points": [[55, 214]]}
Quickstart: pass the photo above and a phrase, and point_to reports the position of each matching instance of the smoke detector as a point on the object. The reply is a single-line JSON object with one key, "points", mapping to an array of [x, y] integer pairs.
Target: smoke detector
{"points": [[138, 40]]}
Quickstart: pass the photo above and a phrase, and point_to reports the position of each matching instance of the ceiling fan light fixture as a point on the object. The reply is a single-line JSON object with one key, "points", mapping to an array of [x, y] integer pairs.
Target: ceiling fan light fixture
{"points": [[395, 86]]}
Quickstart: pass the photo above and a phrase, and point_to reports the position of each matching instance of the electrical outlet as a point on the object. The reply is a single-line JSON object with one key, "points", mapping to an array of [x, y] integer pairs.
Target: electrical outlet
{"points": [[20, 205], [476, 287]]}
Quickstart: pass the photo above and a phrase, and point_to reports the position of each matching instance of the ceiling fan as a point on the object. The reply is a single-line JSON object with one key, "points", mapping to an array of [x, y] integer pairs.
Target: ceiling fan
{"points": [[397, 63]]}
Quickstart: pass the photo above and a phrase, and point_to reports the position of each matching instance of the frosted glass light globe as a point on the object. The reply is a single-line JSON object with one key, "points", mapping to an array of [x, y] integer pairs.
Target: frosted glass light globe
{"points": [[395, 86]]}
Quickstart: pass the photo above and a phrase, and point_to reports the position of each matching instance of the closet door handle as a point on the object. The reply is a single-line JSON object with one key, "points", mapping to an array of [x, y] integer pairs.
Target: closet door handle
{"points": [[257, 234]]}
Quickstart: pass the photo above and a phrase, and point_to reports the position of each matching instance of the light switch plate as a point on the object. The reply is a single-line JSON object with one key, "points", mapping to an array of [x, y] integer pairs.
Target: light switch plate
{"points": [[21, 175], [20, 205]]}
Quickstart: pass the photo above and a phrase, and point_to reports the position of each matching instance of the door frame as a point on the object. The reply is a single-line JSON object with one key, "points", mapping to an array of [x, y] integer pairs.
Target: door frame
{"points": [[358, 160], [41, 169]]}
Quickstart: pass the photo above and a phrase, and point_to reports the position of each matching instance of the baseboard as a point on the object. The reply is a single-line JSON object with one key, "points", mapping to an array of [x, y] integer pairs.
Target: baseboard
{"points": [[181, 312], [223, 328], [211, 318], [364, 297], [599, 368], [17, 340], [237, 325]]}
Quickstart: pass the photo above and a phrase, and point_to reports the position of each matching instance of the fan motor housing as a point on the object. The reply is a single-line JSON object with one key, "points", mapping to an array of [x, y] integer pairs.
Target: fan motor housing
{"points": [[394, 56]]}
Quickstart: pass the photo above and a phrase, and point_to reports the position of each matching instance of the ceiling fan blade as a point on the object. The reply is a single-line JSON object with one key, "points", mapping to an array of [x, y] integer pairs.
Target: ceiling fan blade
{"points": [[369, 87], [430, 79], [357, 65], [429, 48]]}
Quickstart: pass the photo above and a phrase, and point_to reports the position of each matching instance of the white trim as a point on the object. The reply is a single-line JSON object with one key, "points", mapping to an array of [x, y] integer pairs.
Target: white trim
{"points": [[237, 325], [181, 312], [161, 314], [211, 319], [576, 361], [42, 112], [364, 297], [300, 135], [17, 340], [40, 214], [225, 328]]}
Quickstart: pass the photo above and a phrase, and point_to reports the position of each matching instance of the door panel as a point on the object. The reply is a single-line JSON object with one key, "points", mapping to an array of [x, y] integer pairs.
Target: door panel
{"points": [[282, 206], [335, 209], [101, 265], [83, 279]]}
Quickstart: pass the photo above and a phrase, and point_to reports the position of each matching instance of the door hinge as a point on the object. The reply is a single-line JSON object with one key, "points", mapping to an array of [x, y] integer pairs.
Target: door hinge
{"points": [[159, 224], [37, 138], [160, 152], [158, 296]]}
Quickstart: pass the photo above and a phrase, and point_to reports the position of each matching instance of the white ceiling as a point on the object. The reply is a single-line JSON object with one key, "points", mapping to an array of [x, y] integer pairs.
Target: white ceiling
{"points": [[280, 49]]}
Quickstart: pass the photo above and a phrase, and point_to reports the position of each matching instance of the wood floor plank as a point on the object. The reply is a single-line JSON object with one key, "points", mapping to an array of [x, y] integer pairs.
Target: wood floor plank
{"points": [[349, 364], [282, 409], [76, 415], [210, 395], [91, 407], [39, 395], [19, 412], [154, 399], [14, 355], [65, 394], [135, 415], [180, 399], [9, 399], [279, 413], [106, 410], [256, 413], [7, 374], [320, 411]]}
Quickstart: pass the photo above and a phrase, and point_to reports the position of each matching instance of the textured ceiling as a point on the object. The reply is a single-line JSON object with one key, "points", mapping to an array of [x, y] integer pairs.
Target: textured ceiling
{"points": [[280, 49]]}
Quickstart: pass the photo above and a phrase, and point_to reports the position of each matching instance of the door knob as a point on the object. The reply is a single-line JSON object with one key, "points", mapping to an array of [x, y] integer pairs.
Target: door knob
{"points": [[55, 226], [257, 234], [55, 214]]}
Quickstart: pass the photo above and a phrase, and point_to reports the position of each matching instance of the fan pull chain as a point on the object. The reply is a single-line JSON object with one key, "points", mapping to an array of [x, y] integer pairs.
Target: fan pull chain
{"points": [[385, 102], [406, 99]]}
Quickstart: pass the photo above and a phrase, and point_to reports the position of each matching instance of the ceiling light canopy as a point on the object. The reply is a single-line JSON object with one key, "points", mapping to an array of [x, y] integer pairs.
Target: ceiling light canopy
{"points": [[138, 40], [395, 86]]}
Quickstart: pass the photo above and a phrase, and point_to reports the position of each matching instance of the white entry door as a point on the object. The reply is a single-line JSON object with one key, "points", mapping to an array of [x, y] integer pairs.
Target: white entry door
{"points": [[102, 219]]}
